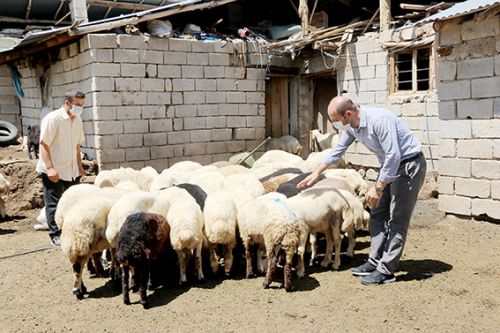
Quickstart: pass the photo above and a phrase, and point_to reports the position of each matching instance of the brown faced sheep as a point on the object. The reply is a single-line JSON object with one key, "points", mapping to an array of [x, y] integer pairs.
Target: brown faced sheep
{"points": [[142, 238]]}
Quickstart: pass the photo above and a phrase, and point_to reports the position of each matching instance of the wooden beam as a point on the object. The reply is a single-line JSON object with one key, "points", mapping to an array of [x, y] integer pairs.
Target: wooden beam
{"points": [[410, 6], [6, 19], [385, 16], [371, 20], [120, 5], [304, 16], [58, 9]]}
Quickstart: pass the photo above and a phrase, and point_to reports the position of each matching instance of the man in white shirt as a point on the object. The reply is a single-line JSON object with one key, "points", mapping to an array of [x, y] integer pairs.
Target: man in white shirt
{"points": [[60, 164]]}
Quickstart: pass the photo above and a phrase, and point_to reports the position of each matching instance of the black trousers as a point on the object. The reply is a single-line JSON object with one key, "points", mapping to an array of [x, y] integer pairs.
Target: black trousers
{"points": [[52, 192]]}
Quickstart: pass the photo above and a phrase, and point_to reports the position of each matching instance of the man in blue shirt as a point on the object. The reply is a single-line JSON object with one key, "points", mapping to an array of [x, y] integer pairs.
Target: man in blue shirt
{"points": [[401, 176]]}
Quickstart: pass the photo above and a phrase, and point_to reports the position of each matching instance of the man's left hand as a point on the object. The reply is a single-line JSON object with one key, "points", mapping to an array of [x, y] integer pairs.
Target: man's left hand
{"points": [[372, 198]]}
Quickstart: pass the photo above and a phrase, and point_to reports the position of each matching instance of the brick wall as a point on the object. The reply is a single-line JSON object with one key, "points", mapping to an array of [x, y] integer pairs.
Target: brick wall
{"points": [[469, 90], [9, 102], [363, 72]]}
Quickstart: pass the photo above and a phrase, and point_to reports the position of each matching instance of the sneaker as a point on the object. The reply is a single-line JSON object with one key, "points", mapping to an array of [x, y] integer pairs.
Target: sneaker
{"points": [[55, 241], [377, 277], [366, 269]]}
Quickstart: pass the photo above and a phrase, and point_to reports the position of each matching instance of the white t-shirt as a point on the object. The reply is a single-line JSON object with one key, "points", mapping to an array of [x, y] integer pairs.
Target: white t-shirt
{"points": [[62, 135]]}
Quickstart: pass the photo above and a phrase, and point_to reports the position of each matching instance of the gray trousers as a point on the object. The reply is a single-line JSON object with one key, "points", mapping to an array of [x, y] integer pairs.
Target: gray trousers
{"points": [[390, 220]]}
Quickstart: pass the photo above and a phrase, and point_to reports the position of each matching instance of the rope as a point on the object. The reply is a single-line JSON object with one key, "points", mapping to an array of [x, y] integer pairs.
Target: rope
{"points": [[25, 252]]}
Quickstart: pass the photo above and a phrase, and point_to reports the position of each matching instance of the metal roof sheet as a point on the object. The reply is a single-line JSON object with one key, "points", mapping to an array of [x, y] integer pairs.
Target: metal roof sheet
{"points": [[460, 9]]}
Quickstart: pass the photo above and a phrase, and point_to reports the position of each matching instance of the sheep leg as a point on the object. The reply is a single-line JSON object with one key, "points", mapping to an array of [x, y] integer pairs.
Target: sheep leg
{"points": [[125, 288], [198, 263], [300, 252], [314, 250], [352, 242], [214, 263], [262, 259], [228, 259], [329, 248], [181, 256], [271, 267], [337, 239], [287, 270], [99, 269], [248, 256], [133, 283], [143, 273], [3, 209], [78, 286]]}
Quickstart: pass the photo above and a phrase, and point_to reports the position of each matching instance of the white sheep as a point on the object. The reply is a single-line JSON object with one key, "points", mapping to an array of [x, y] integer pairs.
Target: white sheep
{"points": [[182, 167], [220, 227], [162, 181], [315, 159], [4, 188], [69, 198], [243, 188], [323, 141], [353, 177], [149, 170], [110, 178], [267, 222], [83, 234], [186, 229], [220, 164], [209, 181], [229, 170], [286, 143], [277, 157]]}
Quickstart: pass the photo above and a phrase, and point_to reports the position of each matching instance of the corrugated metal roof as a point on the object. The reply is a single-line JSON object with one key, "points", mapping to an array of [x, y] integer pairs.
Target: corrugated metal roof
{"points": [[460, 9]]}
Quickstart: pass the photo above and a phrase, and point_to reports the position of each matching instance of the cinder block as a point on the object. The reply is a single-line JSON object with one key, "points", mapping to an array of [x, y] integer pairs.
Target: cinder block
{"points": [[179, 45], [104, 69], [192, 72], [130, 42], [216, 97], [133, 98], [216, 147], [174, 58], [136, 126], [472, 188], [455, 204], [152, 85], [216, 122], [153, 111], [155, 139], [127, 84], [475, 68], [178, 124], [234, 72], [248, 109], [169, 71], [447, 148], [247, 85], [377, 58], [103, 113], [474, 148], [201, 135], [236, 97], [183, 84], [472, 30], [258, 121], [160, 125], [455, 167], [447, 71], [158, 164], [447, 110], [495, 189], [256, 73], [194, 97], [158, 98], [455, 129], [496, 148], [162, 152], [155, 43], [235, 146], [221, 134], [105, 98], [185, 111], [130, 140], [151, 71], [108, 127], [194, 123], [244, 133], [449, 37], [202, 46], [199, 59], [236, 121], [178, 137], [224, 47], [486, 87], [191, 149], [102, 84], [256, 97], [486, 169], [98, 41], [106, 141], [205, 84], [446, 185], [212, 72], [177, 98], [226, 84], [110, 155], [128, 112], [150, 57], [460, 89], [487, 207], [486, 128], [133, 70], [207, 110], [126, 56]]}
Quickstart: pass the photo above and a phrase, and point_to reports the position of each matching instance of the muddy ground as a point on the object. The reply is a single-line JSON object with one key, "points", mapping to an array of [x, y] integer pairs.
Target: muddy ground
{"points": [[449, 281]]}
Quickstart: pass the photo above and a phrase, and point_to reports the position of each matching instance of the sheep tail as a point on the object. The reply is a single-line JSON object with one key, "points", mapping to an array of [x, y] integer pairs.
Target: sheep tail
{"points": [[75, 244], [290, 241], [220, 232]]}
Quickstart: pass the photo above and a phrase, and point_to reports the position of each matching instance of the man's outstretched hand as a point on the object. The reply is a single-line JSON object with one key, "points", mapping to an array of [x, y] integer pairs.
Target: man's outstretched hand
{"points": [[309, 180]]}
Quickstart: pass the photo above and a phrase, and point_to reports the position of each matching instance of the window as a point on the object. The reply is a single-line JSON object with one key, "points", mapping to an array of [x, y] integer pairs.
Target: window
{"points": [[411, 70]]}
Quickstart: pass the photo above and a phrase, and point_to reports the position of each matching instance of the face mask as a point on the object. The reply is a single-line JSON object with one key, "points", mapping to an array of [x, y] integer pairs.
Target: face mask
{"points": [[76, 110], [338, 125]]}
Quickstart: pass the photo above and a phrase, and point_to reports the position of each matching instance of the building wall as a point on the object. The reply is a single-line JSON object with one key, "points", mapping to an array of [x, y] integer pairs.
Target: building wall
{"points": [[9, 102], [158, 101], [363, 71], [469, 91]]}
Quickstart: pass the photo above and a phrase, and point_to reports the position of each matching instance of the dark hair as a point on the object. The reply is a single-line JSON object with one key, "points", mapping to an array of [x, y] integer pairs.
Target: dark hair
{"points": [[73, 94]]}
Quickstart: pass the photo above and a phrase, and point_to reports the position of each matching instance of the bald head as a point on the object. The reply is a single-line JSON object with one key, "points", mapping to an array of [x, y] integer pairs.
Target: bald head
{"points": [[340, 105]]}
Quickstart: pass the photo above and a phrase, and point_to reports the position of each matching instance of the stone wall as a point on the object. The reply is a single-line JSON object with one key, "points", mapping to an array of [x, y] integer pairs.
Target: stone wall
{"points": [[469, 90], [9, 102], [363, 71]]}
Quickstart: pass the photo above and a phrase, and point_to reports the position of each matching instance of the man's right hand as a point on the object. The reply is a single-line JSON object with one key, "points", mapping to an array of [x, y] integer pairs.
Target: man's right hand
{"points": [[53, 175], [309, 180]]}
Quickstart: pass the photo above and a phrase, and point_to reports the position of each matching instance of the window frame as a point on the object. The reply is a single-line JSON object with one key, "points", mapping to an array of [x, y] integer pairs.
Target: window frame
{"points": [[393, 88]]}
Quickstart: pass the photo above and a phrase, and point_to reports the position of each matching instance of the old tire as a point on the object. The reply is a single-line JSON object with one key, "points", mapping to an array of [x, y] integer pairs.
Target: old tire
{"points": [[8, 133]]}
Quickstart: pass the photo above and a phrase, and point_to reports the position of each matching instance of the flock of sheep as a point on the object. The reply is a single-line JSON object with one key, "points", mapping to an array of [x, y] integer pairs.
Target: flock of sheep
{"points": [[137, 214]]}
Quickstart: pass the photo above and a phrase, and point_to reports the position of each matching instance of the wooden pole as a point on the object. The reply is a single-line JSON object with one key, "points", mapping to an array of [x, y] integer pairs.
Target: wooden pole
{"points": [[304, 16], [385, 18], [120, 5]]}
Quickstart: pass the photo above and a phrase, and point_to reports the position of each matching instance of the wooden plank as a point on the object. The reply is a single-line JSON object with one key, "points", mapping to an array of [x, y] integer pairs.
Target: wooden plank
{"points": [[276, 107], [392, 74], [120, 5], [284, 106], [385, 15], [414, 70], [294, 107], [7, 19], [269, 108]]}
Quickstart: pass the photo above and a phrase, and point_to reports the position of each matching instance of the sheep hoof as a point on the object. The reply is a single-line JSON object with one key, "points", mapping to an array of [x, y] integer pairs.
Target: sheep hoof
{"points": [[126, 301], [145, 305], [289, 289], [265, 285], [182, 284], [325, 264], [78, 293]]}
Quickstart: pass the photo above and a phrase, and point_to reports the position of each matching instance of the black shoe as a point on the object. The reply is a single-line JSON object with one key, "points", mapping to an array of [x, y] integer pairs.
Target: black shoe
{"points": [[366, 269], [377, 277], [55, 241]]}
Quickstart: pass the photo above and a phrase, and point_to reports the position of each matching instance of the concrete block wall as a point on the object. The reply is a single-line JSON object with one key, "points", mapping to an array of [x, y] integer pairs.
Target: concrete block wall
{"points": [[9, 102], [469, 135], [158, 101], [363, 71], [31, 104]]}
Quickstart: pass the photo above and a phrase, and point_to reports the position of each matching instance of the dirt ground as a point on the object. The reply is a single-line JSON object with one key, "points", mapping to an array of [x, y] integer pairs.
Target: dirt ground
{"points": [[449, 281]]}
